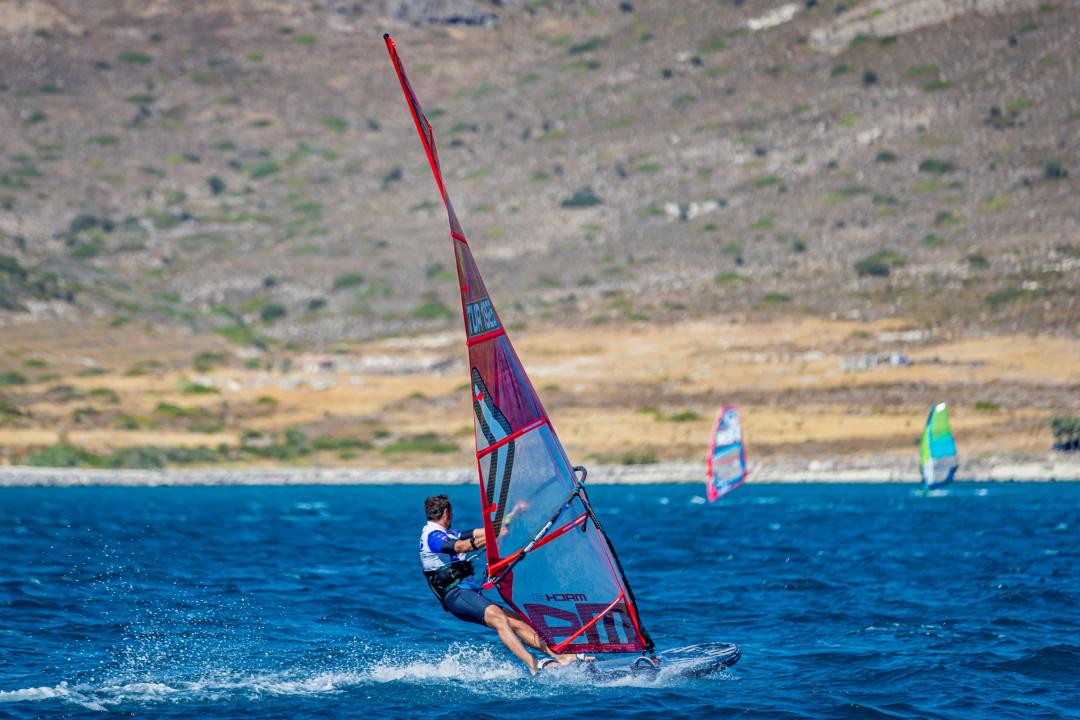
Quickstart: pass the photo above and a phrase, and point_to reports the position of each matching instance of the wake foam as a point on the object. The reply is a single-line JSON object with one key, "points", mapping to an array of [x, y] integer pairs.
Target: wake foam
{"points": [[485, 669], [109, 694], [462, 662]]}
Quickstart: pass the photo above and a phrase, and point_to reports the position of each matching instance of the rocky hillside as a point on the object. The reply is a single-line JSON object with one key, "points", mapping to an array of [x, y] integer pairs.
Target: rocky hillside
{"points": [[248, 167]]}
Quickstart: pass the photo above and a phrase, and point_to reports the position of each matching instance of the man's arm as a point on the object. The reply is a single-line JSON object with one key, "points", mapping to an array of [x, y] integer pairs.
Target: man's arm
{"points": [[446, 544]]}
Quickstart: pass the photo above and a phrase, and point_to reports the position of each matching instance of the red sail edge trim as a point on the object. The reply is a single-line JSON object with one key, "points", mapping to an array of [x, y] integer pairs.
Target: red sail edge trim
{"points": [[423, 127], [562, 646]]}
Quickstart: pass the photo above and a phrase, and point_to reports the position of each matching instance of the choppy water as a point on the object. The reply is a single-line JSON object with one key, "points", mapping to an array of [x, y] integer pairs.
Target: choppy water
{"points": [[849, 601]]}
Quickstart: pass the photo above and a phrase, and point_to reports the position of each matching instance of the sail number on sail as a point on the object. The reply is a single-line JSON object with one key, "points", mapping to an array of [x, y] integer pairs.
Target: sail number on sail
{"points": [[481, 317]]}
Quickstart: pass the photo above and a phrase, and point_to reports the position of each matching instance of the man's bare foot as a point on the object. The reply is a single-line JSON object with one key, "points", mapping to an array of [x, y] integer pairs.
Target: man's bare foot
{"points": [[542, 664], [568, 658]]}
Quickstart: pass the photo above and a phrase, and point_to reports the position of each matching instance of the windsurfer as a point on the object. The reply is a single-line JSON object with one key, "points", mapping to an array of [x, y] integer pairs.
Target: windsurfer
{"points": [[449, 572]]}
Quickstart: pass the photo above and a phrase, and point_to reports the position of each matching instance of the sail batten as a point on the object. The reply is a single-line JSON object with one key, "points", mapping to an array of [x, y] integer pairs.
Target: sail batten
{"points": [[563, 579]]}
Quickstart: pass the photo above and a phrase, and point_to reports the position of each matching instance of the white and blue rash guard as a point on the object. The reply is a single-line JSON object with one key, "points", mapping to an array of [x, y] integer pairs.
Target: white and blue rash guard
{"points": [[437, 550]]}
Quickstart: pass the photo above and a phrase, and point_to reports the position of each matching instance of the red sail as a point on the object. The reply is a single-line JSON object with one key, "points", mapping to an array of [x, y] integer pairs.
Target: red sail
{"points": [[546, 552]]}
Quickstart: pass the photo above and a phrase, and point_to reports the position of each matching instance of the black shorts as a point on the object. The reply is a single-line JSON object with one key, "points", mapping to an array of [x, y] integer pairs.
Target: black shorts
{"points": [[467, 605]]}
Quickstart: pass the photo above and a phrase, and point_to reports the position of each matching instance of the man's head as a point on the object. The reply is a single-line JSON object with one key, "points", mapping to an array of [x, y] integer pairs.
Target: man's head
{"points": [[436, 505]]}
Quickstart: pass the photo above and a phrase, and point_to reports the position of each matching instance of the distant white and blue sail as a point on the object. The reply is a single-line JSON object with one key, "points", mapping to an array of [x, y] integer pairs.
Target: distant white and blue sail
{"points": [[937, 451], [727, 454]]}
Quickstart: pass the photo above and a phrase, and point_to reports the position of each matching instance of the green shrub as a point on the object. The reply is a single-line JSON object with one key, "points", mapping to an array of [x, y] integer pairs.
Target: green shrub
{"points": [[775, 298], [8, 409], [879, 264], [589, 64], [327, 442], [392, 176], [766, 180], [135, 58], [171, 411], [432, 309], [685, 416], [1054, 169], [264, 169], [347, 280], [11, 266], [144, 367], [994, 203], [935, 166], [337, 124], [842, 194], [986, 406], [583, 198], [206, 427], [1066, 432], [436, 271], [12, 378], [638, 456], [206, 360], [920, 70], [198, 389], [1002, 297], [84, 413], [587, 46], [422, 443], [87, 250], [124, 421], [309, 207], [272, 312], [935, 85], [712, 46], [62, 455]]}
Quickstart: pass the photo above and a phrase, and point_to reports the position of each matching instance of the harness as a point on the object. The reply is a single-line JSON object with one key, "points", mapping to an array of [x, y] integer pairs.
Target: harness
{"points": [[446, 578]]}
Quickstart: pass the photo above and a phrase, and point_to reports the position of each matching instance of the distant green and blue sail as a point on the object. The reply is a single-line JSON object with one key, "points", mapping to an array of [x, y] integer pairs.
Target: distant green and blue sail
{"points": [[937, 456]]}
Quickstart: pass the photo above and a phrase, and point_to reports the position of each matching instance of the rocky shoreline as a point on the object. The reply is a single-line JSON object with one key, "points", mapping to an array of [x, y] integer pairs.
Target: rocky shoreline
{"points": [[874, 470]]}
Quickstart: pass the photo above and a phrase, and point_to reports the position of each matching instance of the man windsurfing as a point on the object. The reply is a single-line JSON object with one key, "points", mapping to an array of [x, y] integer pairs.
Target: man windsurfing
{"points": [[450, 575]]}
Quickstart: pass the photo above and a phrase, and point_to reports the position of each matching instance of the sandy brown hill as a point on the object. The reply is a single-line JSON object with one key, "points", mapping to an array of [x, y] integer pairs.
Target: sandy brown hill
{"points": [[249, 165]]}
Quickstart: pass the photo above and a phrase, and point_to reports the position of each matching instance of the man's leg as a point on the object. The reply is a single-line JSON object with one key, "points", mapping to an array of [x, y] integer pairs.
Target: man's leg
{"points": [[530, 637], [496, 619]]}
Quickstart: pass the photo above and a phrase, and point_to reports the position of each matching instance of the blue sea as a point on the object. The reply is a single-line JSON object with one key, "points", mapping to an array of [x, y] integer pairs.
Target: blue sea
{"points": [[849, 601]]}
